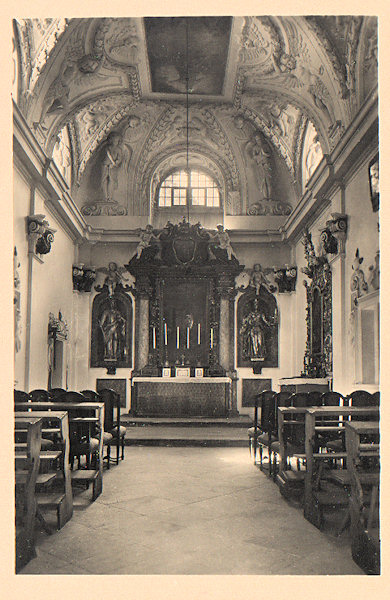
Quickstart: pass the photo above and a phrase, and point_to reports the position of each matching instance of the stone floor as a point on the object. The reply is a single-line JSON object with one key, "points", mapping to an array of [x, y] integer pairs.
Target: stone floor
{"points": [[189, 511]]}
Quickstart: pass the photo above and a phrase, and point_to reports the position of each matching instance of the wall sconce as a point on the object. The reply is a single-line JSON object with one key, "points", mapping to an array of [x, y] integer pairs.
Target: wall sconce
{"points": [[83, 277], [285, 278], [40, 235]]}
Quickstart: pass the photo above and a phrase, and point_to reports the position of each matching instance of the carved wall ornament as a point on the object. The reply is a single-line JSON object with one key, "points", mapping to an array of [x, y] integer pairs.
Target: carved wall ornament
{"points": [[17, 304], [334, 234], [40, 235], [313, 262], [285, 278], [358, 281], [83, 277], [57, 327], [269, 207]]}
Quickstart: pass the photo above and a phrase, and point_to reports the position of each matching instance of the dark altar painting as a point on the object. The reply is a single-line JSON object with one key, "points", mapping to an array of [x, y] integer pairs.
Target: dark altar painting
{"points": [[185, 320], [166, 43], [257, 330], [111, 334]]}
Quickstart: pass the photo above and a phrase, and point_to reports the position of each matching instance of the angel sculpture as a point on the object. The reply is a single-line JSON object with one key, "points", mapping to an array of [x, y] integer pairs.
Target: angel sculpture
{"points": [[258, 279], [114, 275], [297, 75], [223, 239], [146, 238]]}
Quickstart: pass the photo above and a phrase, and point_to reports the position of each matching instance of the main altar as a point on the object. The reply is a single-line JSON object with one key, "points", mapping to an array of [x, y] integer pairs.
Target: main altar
{"points": [[184, 324]]}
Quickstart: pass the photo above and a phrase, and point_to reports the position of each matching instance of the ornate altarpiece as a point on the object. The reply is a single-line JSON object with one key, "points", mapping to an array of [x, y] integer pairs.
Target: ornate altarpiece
{"points": [[318, 355], [184, 291]]}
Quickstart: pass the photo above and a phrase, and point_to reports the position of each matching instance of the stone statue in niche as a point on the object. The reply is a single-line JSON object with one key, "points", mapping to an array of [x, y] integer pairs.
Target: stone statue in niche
{"points": [[256, 152], [113, 327], [223, 244], [112, 160], [258, 278]]}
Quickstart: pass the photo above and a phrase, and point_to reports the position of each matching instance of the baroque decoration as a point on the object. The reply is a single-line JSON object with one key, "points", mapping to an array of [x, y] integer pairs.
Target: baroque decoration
{"points": [[111, 336], [83, 277], [17, 307], [183, 274], [285, 278], [257, 329], [334, 234], [104, 79], [40, 235], [318, 355]]}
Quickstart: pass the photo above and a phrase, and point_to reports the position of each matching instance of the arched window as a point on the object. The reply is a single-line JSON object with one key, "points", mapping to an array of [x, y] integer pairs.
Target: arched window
{"points": [[193, 188]]}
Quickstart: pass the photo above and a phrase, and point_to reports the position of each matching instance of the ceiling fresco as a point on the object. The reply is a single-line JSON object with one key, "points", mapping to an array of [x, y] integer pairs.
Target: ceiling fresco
{"points": [[181, 48], [259, 88]]}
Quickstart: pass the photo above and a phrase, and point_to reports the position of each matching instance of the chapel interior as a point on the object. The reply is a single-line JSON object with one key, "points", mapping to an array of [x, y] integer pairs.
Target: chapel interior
{"points": [[196, 271]]}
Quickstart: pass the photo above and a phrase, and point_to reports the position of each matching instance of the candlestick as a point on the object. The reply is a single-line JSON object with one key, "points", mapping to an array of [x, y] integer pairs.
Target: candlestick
{"points": [[212, 338], [188, 337], [198, 334], [154, 338], [177, 337], [165, 335]]}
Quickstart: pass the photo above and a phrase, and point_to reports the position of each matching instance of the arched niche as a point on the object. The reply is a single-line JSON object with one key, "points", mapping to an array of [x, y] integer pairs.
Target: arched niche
{"points": [[257, 330], [111, 335]]}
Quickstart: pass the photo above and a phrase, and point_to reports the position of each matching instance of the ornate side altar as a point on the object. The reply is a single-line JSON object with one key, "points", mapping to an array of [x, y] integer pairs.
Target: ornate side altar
{"points": [[184, 289]]}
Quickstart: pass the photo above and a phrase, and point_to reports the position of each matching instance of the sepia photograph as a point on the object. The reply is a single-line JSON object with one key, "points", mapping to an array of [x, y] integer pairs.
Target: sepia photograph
{"points": [[196, 264]]}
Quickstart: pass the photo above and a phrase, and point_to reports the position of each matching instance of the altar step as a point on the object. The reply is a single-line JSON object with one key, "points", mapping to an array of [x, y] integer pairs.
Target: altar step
{"points": [[239, 421], [194, 431]]}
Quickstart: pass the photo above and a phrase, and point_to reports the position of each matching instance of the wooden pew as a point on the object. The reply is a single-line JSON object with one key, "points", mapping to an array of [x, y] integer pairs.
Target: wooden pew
{"points": [[82, 475], [61, 501], [364, 497], [25, 501], [312, 502]]}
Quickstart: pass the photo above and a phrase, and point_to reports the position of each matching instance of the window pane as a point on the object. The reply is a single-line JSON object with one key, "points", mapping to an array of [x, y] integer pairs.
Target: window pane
{"points": [[164, 198], [198, 196], [180, 179], [212, 197], [179, 196]]}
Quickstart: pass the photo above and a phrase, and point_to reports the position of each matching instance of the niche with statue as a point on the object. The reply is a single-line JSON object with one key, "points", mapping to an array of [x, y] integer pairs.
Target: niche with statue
{"points": [[111, 338], [257, 329]]}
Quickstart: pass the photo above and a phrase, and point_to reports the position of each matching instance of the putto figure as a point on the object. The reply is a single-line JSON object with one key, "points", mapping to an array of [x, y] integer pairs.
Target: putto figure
{"points": [[223, 239]]}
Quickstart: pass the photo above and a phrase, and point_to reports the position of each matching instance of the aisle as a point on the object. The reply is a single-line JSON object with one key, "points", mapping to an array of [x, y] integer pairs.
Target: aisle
{"points": [[189, 511]]}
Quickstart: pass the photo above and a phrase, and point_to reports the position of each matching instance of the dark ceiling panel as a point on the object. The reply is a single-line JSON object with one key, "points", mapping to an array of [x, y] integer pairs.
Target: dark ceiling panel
{"points": [[208, 44]]}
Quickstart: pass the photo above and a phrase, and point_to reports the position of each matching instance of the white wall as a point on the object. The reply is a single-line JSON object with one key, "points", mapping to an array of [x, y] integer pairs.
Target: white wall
{"points": [[48, 288]]}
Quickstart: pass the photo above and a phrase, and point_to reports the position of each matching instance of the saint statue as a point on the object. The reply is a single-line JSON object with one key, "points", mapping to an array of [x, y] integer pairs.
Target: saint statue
{"points": [[111, 162], [253, 331], [113, 327]]}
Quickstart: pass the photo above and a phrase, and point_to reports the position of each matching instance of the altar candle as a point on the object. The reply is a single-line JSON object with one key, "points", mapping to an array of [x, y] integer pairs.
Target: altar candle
{"points": [[198, 334], [212, 338], [165, 335], [154, 337], [177, 337], [188, 337]]}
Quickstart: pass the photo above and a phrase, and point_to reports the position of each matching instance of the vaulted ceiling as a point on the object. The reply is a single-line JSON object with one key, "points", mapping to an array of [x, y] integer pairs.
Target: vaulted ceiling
{"points": [[246, 80]]}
